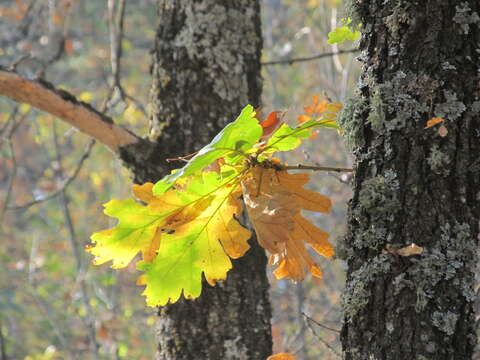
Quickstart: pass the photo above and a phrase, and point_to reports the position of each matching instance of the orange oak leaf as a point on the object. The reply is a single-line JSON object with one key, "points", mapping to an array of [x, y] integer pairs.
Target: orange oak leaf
{"points": [[317, 107], [282, 356], [303, 118], [271, 123], [274, 200], [433, 121]]}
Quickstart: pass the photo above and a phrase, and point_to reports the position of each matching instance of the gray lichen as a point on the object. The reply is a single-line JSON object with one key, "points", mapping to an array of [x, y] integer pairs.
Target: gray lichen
{"points": [[358, 290], [392, 107], [438, 161], [350, 120], [379, 194], [445, 321], [451, 109], [378, 199], [452, 260], [398, 17], [199, 37], [465, 17]]}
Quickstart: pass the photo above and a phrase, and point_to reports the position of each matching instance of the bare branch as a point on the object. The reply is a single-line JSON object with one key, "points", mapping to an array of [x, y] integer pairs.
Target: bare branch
{"points": [[62, 104], [319, 324], [330, 347], [90, 318], [307, 58], [10, 181], [316, 168], [66, 183]]}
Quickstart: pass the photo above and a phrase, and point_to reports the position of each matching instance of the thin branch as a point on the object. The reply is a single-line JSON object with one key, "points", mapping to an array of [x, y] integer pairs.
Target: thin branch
{"points": [[307, 58], [65, 185], [10, 181], [42, 305], [43, 95], [3, 342], [330, 347], [116, 15], [319, 324], [90, 322], [316, 168]]}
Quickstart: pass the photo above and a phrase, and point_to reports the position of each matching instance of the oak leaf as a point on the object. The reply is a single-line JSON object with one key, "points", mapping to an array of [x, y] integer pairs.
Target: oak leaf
{"points": [[181, 235], [271, 123], [274, 200], [282, 356], [434, 121]]}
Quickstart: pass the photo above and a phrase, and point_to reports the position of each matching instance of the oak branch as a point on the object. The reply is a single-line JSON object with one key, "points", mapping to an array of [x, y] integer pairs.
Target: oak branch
{"points": [[60, 103]]}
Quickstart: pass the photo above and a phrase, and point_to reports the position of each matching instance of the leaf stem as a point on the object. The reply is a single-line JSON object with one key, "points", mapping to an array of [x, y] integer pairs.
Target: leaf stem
{"points": [[316, 168]]}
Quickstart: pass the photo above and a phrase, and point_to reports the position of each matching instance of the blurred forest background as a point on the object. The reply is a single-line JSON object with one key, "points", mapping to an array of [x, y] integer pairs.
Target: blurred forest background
{"points": [[54, 304]]}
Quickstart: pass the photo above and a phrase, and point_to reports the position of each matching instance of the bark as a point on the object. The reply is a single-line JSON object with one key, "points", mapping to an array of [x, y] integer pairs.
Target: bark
{"points": [[412, 184], [206, 67]]}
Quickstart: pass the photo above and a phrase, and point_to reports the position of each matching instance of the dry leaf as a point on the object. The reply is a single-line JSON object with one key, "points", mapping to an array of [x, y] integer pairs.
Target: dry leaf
{"points": [[412, 249], [274, 200], [282, 356], [433, 121], [272, 122]]}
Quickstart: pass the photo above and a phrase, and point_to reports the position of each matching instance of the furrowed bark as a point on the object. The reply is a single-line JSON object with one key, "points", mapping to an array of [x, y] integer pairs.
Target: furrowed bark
{"points": [[206, 68], [60, 103], [414, 184]]}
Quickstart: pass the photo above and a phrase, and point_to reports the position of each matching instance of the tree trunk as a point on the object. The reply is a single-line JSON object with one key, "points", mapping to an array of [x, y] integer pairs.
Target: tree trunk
{"points": [[414, 184], [206, 68]]}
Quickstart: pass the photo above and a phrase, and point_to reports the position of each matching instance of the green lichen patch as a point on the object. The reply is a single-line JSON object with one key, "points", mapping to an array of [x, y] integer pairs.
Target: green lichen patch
{"points": [[379, 194], [351, 121]]}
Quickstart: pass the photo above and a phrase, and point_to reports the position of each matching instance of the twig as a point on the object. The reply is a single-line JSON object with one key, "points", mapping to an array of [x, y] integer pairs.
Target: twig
{"points": [[3, 346], [319, 324], [116, 15], [90, 322], [115, 23], [307, 58], [10, 180], [65, 185], [330, 347], [43, 307], [316, 168]]}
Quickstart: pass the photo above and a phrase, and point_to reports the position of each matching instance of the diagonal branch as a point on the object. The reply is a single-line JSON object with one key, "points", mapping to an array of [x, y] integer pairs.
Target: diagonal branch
{"points": [[44, 96]]}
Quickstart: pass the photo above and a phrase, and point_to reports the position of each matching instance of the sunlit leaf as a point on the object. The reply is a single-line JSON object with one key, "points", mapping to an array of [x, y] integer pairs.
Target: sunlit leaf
{"points": [[235, 138], [274, 200], [183, 233], [341, 34]]}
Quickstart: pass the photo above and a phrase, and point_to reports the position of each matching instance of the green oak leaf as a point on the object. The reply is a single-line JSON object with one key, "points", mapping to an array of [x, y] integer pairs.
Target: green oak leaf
{"points": [[234, 139], [341, 34], [286, 138]]}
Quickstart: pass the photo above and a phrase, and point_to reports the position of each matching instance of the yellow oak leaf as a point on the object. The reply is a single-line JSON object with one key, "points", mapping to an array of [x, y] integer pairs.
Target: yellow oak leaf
{"points": [[181, 235]]}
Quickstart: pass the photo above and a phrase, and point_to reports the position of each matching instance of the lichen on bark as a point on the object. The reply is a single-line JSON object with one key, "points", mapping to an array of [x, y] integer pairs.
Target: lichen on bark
{"points": [[412, 184]]}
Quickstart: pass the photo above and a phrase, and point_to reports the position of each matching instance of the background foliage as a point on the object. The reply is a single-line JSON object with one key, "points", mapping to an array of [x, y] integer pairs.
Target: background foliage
{"points": [[53, 303]]}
